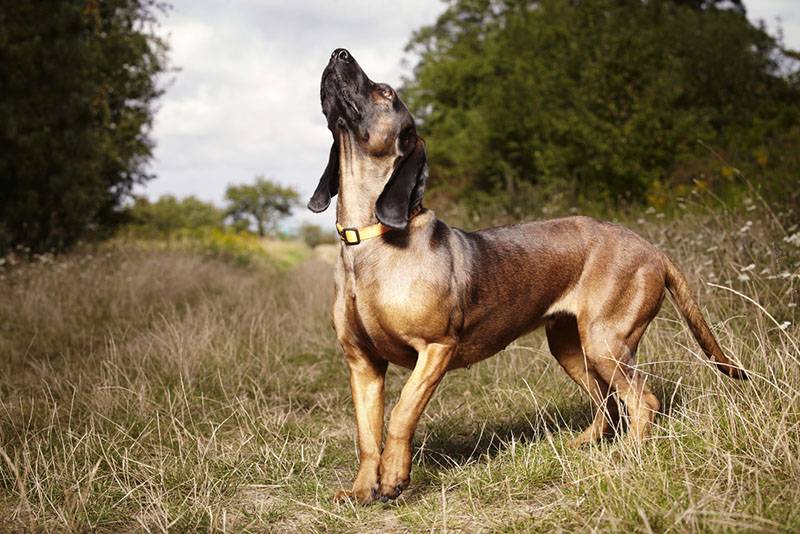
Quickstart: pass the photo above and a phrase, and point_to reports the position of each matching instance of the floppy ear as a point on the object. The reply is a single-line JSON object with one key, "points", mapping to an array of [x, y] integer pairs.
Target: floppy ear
{"points": [[328, 184], [403, 192]]}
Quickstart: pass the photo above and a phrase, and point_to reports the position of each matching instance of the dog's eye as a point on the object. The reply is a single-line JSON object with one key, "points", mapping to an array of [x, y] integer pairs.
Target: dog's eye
{"points": [[386, 92]]}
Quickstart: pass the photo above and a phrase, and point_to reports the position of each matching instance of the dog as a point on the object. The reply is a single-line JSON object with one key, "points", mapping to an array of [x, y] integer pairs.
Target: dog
{"points": [[414, 292]]}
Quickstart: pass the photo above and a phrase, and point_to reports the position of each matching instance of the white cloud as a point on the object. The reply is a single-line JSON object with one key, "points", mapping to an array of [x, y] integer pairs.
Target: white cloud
{"points": [[778, 14]]}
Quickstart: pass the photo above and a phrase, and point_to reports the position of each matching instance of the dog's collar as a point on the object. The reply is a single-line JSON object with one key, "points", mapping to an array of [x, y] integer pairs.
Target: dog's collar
{"points": [[354, 236]]}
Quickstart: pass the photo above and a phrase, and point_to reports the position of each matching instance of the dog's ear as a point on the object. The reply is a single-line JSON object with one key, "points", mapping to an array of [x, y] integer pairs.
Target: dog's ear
{"points": [[403, 192], [328, 184]]}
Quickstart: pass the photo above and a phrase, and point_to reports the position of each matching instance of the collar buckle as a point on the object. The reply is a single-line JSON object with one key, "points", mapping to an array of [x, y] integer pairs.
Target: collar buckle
{"points": [[350, 236], [353, 236]]}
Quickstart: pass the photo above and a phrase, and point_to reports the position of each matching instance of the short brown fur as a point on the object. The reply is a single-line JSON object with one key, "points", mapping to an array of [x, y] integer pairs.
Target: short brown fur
{"points": [[433, 298]]}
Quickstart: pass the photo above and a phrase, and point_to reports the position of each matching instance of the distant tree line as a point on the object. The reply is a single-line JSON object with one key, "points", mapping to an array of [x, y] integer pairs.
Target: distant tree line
{"points": [[257, 208], [168, 214], [78, 81], [613, 100]]}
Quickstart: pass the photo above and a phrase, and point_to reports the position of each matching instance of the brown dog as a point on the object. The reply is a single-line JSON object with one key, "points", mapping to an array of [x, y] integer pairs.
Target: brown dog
{"points": [[414, 292]]}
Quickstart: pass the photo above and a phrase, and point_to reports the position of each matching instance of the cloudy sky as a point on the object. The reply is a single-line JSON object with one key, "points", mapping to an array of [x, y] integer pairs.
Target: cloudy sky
{"points": [[245, 100]]}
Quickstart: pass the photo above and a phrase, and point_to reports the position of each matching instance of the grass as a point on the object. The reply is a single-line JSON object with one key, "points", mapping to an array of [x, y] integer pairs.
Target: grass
{"points": [[164, 390]]}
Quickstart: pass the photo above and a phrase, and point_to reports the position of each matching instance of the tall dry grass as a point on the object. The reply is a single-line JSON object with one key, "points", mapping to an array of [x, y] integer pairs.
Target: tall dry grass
{"points": [[123, 367], [160, 390]]}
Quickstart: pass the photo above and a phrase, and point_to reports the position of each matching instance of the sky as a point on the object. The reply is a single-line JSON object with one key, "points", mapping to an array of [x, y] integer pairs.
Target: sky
{"points": [[245, 101], [244, 98]]}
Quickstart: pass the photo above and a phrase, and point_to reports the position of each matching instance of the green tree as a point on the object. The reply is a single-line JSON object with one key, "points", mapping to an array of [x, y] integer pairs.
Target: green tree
{"points": [[77, 88], [313, 235], [602, 98], [168, 215], [263, 203]]}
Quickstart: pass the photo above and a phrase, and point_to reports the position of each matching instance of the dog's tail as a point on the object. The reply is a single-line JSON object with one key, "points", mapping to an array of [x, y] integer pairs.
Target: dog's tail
{"points": [[684, 301]]}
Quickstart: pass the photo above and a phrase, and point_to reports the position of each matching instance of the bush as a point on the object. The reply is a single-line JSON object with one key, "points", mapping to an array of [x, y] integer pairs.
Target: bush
{"points": [[608, 101], [314, 235], [168, 215], [78, 81]]}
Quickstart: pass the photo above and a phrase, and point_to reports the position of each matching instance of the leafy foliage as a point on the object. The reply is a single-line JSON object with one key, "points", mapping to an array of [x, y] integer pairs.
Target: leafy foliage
{"points": [[263, 203], [242, 248], [168, 215], [77, 87], [599, 98], [313, 235]]}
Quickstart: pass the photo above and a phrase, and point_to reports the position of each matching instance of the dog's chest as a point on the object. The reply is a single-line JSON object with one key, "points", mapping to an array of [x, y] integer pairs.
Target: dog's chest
{"points": [[400, 308]]}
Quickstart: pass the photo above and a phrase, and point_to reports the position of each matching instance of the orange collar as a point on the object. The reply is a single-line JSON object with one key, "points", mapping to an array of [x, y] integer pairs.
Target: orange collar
{"points": [[354, 236]]}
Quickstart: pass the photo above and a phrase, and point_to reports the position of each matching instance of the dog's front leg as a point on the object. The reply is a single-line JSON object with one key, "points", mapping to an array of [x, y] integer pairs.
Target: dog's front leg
{"points": [[366, 386], [431, 366]]}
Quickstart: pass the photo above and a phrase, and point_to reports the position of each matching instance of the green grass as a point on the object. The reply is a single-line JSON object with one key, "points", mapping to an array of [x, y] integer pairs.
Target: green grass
{"points": [[159, 389]]}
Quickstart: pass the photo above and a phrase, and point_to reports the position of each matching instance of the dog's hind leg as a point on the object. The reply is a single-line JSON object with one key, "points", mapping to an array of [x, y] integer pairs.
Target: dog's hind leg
{"points": [[565, 345], [610, 340], [612, 356]]}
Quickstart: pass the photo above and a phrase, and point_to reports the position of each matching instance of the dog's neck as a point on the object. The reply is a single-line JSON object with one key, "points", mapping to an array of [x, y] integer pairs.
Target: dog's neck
{"points": [[361, 181]]}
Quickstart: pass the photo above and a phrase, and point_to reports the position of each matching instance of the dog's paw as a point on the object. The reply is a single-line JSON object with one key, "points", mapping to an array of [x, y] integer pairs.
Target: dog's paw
{"points": [[393, 484], [590, 436], [364, 495], [395, 473], [391, 492]]}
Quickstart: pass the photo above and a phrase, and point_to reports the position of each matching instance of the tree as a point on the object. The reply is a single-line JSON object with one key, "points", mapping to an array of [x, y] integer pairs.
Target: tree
{"points": [[314, 235], [263, 203], [77, 88], [168, 215], [602, 98]]}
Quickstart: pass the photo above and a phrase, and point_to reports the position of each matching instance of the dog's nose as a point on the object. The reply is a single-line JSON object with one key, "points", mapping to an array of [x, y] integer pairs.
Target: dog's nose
{"points": [[340, 54]]}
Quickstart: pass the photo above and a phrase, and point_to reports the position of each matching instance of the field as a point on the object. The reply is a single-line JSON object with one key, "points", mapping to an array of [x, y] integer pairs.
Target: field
{"points": [[160, 389]]}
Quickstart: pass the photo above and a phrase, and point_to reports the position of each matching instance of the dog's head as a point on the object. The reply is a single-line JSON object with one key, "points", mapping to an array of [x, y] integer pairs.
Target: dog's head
{"points": [[379, 126]]}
